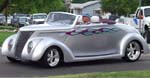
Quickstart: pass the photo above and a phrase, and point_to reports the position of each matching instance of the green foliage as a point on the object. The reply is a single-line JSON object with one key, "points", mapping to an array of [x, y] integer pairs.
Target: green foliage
{"points": [[7, 28], [120, 7], [145, 2], [81, 1], [34, 6]]}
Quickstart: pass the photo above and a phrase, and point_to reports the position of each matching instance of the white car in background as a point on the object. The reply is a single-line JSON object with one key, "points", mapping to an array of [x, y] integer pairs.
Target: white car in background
{"points": [[38, 18]]}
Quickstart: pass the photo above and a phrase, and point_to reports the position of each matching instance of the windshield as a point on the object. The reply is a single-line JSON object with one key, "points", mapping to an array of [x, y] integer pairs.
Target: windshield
{"points": [[39, 16], [61, 18], [147, 12]]}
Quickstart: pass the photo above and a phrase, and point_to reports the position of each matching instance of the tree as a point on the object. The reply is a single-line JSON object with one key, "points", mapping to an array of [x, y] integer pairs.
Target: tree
{"points": [[145, 2], [120, 7], [34, 6]]}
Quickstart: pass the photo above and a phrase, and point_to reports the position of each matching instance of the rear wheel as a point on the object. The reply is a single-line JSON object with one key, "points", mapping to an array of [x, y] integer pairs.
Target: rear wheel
{"points": [[13, 60], [132, 52], [52, 57]]}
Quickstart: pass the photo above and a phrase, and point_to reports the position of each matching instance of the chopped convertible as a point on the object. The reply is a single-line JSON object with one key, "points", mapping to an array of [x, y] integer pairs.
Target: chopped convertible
{"points": [[64, 37]]}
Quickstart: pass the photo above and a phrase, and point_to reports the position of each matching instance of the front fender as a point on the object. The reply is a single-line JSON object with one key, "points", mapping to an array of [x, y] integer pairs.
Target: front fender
{"points": [[5, 50], [42, 45], [133, 37]]}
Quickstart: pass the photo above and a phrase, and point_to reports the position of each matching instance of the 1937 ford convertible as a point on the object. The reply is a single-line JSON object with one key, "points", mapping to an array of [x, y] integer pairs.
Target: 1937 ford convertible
{"points": [[65, 38]]}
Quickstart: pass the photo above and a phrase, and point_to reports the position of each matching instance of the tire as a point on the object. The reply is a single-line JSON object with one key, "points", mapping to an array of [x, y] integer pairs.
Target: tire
{"points": [[147, 36], [13, 60], [132, 52], [52, 57]]}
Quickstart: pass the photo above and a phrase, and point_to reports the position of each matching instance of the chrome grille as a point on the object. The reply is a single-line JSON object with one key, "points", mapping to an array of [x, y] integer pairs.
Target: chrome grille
{"points": [[22, 39]]}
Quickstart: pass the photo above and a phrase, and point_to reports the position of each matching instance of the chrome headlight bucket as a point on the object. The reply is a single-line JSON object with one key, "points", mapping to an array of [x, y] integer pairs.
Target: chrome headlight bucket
{"points": [[10, 44], [32, 45]]}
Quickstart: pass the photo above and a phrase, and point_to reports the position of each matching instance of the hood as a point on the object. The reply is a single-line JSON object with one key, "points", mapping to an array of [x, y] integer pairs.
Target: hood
{"points": [[44, 27]]}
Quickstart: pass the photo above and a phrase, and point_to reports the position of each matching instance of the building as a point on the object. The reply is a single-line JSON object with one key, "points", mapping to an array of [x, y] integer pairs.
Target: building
{"points": [[90, 7]]}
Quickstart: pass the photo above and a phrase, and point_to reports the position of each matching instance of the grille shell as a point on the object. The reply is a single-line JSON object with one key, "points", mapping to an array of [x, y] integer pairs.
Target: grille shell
{"points": [[23, 37]]}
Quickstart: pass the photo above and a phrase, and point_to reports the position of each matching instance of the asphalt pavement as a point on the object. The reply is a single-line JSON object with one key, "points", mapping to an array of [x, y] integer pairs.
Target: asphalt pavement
{"points": [[32, 69]]}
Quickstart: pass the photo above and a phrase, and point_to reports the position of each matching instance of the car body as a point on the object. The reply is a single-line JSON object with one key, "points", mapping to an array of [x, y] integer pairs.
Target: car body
{"points": [[38, 18], [65, 36], [9, 18], [2, 19], [14, 20]]}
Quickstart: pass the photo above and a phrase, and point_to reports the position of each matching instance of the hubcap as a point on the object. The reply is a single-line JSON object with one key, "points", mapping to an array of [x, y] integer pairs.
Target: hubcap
{"points": [[133, 50], [53, 57]]}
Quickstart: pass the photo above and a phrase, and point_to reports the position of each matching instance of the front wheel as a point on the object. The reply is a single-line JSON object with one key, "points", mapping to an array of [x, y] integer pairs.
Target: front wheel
{"points": [[132, 52], [52, 57]]}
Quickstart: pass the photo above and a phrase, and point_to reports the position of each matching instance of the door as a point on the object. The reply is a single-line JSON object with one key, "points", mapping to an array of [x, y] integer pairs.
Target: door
{"points": [[138, 20], [90, 41]]}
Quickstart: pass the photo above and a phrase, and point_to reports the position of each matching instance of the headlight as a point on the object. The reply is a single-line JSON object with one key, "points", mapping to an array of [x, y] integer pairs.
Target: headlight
{"points": [[10, 44], [30, 46]]}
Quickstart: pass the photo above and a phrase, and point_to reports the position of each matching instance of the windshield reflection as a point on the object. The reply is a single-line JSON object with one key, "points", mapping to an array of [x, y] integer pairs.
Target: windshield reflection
{"points": [[60, 18]]}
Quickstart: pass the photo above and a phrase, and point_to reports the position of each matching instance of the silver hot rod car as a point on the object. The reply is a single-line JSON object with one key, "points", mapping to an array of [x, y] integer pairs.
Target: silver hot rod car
{"points": [[64, 37]]}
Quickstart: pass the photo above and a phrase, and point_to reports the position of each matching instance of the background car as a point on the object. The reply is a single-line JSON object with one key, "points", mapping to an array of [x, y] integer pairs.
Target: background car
{"points": [[23, 21], [14, 20], [38, 18], [2, 19]]}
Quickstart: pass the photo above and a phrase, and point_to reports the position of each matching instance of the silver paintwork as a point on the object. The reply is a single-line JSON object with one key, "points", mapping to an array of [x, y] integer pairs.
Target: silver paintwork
{"points": [[77, 42]]}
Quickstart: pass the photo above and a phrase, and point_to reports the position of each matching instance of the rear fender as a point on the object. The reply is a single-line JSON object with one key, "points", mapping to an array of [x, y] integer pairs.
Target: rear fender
{"points": [[133, 37]]}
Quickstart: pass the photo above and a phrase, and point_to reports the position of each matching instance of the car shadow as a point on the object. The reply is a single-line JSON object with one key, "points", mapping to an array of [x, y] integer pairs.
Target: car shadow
{"points": [[96, 62], [102, 62]]}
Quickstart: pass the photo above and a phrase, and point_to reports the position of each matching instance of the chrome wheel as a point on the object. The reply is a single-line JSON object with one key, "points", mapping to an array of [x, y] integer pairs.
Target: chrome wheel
{"points": [[53, 57], [133, 52]]}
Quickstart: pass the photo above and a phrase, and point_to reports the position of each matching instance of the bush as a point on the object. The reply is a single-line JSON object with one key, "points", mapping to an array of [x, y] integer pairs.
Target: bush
{"points": [[7, 28]]}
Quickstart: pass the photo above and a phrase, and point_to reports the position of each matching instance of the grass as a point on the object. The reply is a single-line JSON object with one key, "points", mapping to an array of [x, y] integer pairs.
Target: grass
{"points": [[4, 35], [127, 74]]}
